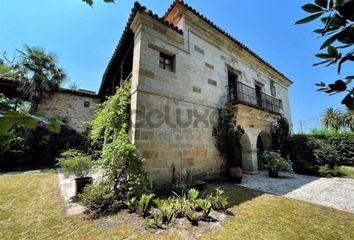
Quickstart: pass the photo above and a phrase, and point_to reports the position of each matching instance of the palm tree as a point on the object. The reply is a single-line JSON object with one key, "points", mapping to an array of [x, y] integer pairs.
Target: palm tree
{"points": [[42, 75], [349, 119], [332, 119]]}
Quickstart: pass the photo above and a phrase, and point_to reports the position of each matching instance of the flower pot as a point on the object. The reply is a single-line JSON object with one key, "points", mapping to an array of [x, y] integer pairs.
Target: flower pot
{"points": [[235, 174], [273, 174], [81, 183]]}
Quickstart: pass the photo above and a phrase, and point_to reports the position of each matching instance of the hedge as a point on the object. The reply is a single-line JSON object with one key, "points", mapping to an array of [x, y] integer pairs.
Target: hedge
{"points": [[309, 152], [26, 148]]}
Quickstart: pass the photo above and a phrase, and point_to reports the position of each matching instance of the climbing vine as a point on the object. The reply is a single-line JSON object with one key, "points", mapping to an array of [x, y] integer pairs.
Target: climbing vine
{"points": [[120, 161], [112, 116]]}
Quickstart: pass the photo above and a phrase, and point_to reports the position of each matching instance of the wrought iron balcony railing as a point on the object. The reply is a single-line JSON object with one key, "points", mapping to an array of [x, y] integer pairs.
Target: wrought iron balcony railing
{"points": [[241, 93]]}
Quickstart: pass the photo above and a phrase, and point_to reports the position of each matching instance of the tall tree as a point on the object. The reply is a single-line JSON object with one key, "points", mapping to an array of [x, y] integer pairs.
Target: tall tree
{"points": [[332, 119], [10, 68], [349, 119], [42, 75], [337, 17], [280, 134]]}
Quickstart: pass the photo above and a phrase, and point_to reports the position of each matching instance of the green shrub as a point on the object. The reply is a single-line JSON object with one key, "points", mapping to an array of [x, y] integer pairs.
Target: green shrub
{"points": [[144, 204], [120, 161], [131, 204], [15, 148], [100, 200], [26, 148], [193, 195], [168, 209], [308, 153], [280, 135], [275, 162], [205, 205], [192, 217], [326, 171], [111, 115], [227, 136], [187, 205], [75, 163], [219, 201], [341, 142], [344, 145]]}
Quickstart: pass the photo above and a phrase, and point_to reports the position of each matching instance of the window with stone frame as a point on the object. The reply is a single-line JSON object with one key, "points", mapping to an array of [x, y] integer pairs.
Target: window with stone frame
{"points": [[167, 62]]}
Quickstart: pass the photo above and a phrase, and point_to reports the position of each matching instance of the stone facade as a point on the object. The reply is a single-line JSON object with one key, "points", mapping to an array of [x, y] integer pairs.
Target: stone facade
{"points": [[173, 112], [71, 107]]}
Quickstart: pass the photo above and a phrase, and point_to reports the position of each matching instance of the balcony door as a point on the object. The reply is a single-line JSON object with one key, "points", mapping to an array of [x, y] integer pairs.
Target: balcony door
{"points": [[232, 81], [259, 95]]}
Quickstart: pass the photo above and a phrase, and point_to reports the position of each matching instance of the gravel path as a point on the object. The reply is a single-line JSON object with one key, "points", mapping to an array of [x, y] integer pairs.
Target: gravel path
{"points": [[331, 192]]}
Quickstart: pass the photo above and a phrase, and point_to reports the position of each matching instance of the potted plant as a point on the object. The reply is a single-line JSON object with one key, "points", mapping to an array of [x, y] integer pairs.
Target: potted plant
{"points": [[227, 135], [78, 164], [275, 163]]}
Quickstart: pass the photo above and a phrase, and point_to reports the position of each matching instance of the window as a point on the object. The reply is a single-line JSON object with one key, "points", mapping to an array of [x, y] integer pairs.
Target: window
{"points": [[86, 104], [166, 62], [272, 88]]}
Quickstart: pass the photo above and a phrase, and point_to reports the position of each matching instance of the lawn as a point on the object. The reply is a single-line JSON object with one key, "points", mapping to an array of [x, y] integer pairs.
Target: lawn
{"points": [[347, 172], [31, 208]]}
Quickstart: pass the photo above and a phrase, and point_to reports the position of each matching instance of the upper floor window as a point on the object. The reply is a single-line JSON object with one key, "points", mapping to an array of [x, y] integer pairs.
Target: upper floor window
{"points": [[166, 62], [273, 90], [86, 104]]}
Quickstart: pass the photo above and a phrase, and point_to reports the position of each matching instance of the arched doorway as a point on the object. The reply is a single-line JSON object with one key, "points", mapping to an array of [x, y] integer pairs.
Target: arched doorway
{"points": [[246, 153], [264, 143]]}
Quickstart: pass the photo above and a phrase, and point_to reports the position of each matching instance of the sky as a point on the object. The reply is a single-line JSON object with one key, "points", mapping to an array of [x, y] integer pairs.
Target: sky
{"points": [[84, 38]]}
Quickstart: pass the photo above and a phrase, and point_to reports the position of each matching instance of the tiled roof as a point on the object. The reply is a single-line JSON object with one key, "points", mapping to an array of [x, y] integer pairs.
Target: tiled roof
{"points": [[137, 7], [80, 92], [185, 5], [9, 80]]}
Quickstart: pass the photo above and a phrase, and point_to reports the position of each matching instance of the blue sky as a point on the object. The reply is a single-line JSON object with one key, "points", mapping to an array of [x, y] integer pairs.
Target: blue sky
{"points": [[84, 39]]}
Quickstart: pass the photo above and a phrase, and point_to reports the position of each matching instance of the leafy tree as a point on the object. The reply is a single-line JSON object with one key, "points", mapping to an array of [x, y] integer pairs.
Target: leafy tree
{"points": [[120, 162], [227, 135], [42, 75], [39, 76], [332, 119], [90, 2], [337, 17], [13, 113], [349, 119], [280, 135], [10, 69]]}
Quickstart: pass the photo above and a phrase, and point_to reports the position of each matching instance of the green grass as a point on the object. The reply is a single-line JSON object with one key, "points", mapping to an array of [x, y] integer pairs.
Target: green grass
{"points": [[346, 172], [31, 208]]}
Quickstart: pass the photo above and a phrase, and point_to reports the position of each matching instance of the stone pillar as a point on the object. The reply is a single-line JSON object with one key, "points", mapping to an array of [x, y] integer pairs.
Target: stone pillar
{"points": [[250, 161]]}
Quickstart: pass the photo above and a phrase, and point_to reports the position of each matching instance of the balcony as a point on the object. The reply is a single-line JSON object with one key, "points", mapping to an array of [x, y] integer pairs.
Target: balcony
{"points": [[241, 93]]}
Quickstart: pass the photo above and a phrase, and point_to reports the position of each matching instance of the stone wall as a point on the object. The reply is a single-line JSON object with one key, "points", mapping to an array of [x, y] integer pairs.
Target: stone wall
{"points": [[202, 61], [71, 107]]}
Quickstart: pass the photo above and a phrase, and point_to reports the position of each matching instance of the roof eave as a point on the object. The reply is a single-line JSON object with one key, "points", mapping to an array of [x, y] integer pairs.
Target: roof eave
{"points": [[243, 46]]}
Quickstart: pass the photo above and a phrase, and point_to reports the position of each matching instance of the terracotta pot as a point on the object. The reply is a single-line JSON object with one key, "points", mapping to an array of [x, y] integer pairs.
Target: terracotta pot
{"points": [[81, 183], [235, 174], [273, 174]]}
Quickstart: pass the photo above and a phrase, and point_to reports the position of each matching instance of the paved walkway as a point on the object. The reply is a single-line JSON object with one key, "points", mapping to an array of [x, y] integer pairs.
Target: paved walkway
{"points": [[67, 190], [331, 192]]}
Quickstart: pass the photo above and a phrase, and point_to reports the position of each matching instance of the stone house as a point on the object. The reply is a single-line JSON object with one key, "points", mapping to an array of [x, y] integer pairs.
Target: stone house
{"points": [[183, 68], [77, 107]]}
